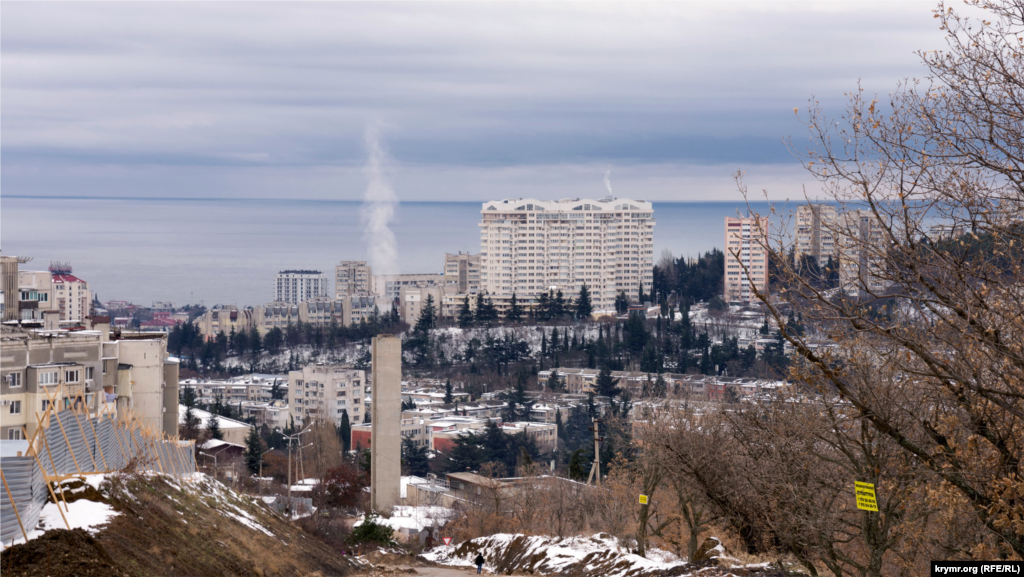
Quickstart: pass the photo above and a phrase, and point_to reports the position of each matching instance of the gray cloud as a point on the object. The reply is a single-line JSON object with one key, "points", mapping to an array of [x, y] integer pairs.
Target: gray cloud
{"points": [[270, 99]]}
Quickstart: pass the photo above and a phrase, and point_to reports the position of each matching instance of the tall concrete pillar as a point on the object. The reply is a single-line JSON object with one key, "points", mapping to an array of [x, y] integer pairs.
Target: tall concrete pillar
{"points": [[385, 426]]}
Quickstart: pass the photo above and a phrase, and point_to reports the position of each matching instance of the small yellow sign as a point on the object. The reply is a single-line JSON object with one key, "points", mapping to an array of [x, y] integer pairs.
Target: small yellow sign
{"points": [[865, 493], [643, 499]]}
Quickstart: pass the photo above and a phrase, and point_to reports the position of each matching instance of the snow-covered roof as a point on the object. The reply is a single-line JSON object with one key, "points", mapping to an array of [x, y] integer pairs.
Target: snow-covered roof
{"points": [[204, 416]]}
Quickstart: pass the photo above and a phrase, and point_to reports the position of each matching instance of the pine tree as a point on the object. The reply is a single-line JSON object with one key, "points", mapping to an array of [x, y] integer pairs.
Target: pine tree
{"points": [[621, 303], [660, 387], [428, 316], [558, 305], [583, 305], [607, 386], [640, 296], [486, 313], [253, 451], [448, 398], [190, 429], [213, 428], [519, 404], [553, 383], [515, 311], [345, 430], [414, 458], [559, 427], [465, 318]]}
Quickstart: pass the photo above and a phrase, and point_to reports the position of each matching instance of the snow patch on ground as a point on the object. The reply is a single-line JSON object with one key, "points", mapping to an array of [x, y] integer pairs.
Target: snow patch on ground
{"points": [[596, 555], [81, 514], [413, 519]]}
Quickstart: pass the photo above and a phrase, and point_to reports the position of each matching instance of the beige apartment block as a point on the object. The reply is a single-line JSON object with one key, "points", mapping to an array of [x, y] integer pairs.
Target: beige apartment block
{"points": [[35, 294], [815, 225], [389, 286], [462, 270], [326, 391], [530, 246], [353, 277], [413, 299], [861, 250], [86, 370], [226, 319], [746, 262]]}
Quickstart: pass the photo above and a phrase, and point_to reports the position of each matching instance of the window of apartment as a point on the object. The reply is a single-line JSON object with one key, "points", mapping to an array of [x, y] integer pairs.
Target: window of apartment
{"points": [[71, 376], [15, 407], [14, 380], [14, 435], [48, 378], [46, 404]]}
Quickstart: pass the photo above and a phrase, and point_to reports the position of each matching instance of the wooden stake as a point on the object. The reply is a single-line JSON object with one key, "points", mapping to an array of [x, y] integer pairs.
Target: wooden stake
{"points": [[82, 430], [96, 440], [52, 494], [15, 506], [52, 464]]}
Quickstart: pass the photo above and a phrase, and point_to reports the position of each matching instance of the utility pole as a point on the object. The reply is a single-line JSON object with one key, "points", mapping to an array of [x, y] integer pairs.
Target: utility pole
{"points": [[291, 439], [595, 469]]}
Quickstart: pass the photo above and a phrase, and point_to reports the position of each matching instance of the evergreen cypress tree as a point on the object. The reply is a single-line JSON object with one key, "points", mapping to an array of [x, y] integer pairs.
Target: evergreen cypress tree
{"points": [[345, 431], [190, 430], [576, 468], [253, 451], [583, 305], [213, 428], [559, 427], [465, 318], [448, 399]]}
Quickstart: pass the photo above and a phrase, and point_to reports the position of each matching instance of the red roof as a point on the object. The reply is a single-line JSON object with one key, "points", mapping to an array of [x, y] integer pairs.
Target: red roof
{"points": [[61, 277], [160, 322]]}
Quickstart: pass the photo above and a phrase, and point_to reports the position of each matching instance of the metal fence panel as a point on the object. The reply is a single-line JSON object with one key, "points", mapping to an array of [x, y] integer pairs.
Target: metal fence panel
{"points": [[98, 445]]}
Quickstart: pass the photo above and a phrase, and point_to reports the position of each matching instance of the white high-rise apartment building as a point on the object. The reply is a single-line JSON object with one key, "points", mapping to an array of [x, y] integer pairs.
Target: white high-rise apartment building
{"points": [[69, 294], [296, 286], [742, 249], [353, 277], [530, 246], [815, 224], [325, 392]]}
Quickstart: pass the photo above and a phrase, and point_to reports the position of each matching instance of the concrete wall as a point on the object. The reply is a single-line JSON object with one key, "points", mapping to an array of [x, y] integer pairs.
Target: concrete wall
{"points": [[386, 449]]}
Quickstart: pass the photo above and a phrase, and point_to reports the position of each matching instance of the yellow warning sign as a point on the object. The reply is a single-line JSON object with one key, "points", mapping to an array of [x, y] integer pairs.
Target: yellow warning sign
{"points": [[865, 493], [643, 499]]}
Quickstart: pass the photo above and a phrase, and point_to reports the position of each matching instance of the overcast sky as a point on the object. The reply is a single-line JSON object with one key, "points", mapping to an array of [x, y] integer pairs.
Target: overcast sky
{"points": [[476, 100]]}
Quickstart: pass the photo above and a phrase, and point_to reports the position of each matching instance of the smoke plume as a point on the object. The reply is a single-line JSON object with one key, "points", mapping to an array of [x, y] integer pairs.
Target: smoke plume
{"points": [[608, 181], [379, 204]]}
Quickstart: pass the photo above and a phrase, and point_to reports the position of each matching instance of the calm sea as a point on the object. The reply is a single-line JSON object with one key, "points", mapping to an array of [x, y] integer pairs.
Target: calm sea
{"points": [[228, 250]]}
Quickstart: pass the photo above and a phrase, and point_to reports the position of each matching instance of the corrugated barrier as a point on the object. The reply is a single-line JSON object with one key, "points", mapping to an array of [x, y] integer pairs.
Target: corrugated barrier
{"points": [[68, 444]]}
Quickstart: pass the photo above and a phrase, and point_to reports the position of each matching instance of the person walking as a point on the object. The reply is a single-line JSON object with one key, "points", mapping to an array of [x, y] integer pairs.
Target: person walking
{"points": [[479, 563]]}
